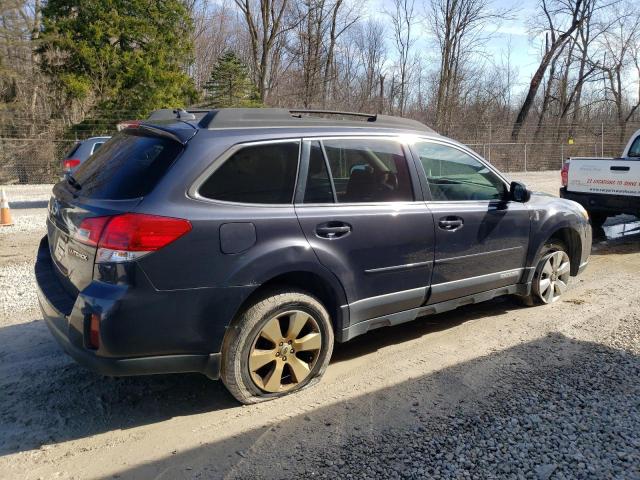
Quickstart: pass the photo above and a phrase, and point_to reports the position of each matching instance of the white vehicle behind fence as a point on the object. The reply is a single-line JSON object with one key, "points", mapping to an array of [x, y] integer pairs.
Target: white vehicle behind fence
{"points": [[605, 186]]}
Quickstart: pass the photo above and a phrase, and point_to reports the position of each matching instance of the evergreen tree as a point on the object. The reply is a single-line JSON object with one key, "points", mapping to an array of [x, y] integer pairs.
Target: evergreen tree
{"points": [[229, 84], [123, 57]]}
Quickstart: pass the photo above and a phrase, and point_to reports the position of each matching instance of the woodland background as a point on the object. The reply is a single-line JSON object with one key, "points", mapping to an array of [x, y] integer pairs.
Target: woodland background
{"points": [[70, 69]]}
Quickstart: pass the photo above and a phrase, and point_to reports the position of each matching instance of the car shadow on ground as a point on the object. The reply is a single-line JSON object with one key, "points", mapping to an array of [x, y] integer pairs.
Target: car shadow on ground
{"points": [[50, 399], [552, 405]]}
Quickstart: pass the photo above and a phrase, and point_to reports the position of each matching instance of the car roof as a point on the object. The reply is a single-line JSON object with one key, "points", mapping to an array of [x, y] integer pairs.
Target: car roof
{"points": [[256, 124], [226, 118]]}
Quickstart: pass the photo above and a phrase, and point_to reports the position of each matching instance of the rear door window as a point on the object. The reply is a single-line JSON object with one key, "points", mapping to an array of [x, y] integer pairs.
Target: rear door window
{"points": [[369, 170], [264, 173], [127, 166]]}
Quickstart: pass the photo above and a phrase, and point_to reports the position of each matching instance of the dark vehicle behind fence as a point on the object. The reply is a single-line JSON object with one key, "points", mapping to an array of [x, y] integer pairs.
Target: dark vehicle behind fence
{"points": [[80, 152], [243, 245]]}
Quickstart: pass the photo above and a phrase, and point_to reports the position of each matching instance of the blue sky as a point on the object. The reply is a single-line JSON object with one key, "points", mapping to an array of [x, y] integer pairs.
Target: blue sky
{"points": [[525, 51]]}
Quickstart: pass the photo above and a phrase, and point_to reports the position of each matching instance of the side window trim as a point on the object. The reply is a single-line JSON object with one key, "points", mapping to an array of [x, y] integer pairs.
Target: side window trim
{"points": [[414, 172], [193, 190], [423, 175], [328, 167]]}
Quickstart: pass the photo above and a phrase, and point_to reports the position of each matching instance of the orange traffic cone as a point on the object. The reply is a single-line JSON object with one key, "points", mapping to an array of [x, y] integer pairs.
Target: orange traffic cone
{"points": [[5, 211]]}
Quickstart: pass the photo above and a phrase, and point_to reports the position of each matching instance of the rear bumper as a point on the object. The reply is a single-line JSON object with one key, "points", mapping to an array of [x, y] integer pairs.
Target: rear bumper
{"points": [[597, 202], [67, 330], [121, 367]]}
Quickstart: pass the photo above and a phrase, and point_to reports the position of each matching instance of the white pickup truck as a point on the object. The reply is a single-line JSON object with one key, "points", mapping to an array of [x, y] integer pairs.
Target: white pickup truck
{"points": [[605, 186]]}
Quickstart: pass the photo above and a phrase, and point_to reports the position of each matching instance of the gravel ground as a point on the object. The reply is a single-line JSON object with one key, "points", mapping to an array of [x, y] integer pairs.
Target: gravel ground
{"points": [[17, 281], [27, 193], [488, 391], [578, 421]]}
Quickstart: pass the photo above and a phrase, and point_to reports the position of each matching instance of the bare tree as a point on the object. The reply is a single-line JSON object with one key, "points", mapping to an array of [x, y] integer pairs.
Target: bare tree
{"points": [[562, 17], [403, 17], [621, 61], [460, 27], [369, 40], [264, 27]]}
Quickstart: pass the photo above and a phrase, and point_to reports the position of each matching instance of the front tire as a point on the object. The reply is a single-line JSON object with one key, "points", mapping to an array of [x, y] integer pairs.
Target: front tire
{"points": [[553, 271], [281, 343]]}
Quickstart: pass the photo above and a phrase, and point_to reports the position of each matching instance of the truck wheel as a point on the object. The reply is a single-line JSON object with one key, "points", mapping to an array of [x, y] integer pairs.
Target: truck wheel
{"points": [[552, 274], [597, 219], [279, 344]]}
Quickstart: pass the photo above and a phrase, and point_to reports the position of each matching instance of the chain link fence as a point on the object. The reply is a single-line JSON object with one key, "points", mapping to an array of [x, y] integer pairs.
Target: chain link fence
{"points": [[26, 158]]}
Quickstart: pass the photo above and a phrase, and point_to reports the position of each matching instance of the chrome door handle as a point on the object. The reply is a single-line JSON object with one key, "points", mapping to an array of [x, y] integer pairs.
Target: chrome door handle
{"points": [[450, 223], [332, 230]]}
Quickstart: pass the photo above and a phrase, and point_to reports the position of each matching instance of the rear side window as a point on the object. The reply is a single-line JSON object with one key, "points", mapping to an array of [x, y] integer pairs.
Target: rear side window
{"points": [[127, 166], [369, 170], [96, 146], [263, 173]]}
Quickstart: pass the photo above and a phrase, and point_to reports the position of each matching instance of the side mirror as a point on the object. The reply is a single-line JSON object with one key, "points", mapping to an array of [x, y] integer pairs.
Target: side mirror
{"points": [[518, 192]]}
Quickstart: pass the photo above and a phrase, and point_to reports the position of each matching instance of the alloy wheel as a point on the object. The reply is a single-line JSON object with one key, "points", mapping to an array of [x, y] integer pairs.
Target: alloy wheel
{"points": [[554, 276], [285, 351]]}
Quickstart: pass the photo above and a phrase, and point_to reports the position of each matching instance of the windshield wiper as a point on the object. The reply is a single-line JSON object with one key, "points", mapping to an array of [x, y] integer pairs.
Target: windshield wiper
{"points": [[73, 182]]}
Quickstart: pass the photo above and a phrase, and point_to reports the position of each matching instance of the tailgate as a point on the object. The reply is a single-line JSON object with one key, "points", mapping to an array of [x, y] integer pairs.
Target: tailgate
{"points": [[604, 175], [74, 260]]}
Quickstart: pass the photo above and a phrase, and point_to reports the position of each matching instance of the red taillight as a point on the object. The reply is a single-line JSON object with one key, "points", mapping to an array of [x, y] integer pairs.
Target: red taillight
{"points": [[91, 229], [94, 331], [130, 232], [134, 232], [69, 163], [564, 174]]}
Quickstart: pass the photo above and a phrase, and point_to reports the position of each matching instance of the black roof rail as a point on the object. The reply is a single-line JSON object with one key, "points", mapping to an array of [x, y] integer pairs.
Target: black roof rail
{"points": [[371, 117], [282, 117]]}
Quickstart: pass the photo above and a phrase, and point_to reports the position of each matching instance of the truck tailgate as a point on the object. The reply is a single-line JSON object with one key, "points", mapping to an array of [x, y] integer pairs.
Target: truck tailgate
{"points": [[604, 175]]}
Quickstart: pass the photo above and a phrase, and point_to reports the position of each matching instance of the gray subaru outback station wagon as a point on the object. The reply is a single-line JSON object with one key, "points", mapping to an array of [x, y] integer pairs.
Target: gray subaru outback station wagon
{"points": [[243, 244]]}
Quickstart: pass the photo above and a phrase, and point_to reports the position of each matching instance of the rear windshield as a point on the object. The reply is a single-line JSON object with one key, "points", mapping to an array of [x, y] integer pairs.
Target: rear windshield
{"points": [[127, 166]]}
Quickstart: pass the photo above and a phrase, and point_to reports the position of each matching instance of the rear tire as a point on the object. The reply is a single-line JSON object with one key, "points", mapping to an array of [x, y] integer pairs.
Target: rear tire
{"points": [[553, 270], [281, 343]]}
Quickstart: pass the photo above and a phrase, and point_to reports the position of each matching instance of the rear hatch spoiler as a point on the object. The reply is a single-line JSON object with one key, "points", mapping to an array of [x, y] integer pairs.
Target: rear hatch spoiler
{"points": [[180, 132]]}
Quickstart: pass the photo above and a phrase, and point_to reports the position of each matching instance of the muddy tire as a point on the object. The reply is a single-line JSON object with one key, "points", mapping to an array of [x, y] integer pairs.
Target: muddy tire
{"points": [[279, 344]]}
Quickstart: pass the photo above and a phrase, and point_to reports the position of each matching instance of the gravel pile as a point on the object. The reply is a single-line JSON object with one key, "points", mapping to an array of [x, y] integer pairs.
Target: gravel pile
{"points": [[577, 420]]}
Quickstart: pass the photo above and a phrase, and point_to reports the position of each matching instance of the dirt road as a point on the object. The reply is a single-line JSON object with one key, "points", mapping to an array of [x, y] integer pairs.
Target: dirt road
{"points": [[386, 393]]}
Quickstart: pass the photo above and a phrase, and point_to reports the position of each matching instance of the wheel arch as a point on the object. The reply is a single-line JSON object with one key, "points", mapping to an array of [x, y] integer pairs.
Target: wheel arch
{"points": [[328, 291], [569, 237]]}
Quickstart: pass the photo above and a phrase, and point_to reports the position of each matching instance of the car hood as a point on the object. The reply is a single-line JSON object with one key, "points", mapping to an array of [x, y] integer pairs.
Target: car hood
{"points": [[550, 204]]}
